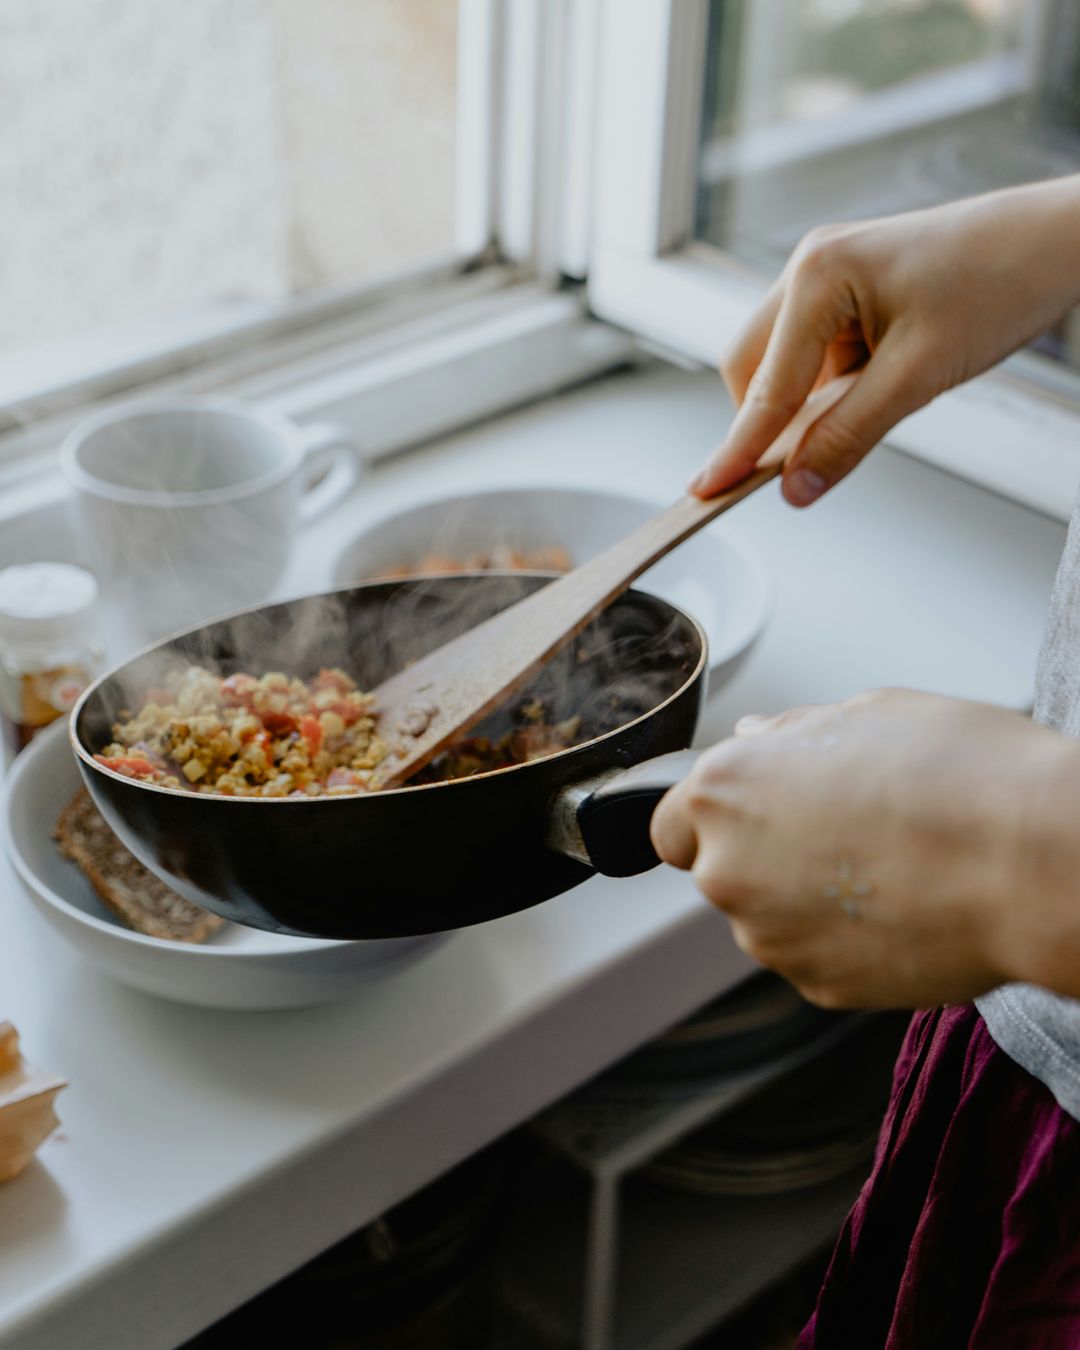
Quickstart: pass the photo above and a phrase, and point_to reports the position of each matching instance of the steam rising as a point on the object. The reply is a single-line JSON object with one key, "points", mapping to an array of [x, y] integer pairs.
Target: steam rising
{"points": [[621, 667], [214, 558]]}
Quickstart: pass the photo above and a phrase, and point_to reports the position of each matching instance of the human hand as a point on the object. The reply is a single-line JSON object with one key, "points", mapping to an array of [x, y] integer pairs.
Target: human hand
{"points": [[897, 850], [915, 303]]}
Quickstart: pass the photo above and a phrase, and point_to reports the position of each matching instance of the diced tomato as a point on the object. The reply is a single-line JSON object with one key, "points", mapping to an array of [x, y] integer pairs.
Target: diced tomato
{"points": [[312, 733], [129, 765], [343, 778], [332, 679], [252, 736], [278, 723], [238, 689], [348, 712]]}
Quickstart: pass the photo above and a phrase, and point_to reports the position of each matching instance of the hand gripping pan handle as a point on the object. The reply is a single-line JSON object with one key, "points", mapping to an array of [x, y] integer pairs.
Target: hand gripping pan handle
{"points": [[604, 821]]}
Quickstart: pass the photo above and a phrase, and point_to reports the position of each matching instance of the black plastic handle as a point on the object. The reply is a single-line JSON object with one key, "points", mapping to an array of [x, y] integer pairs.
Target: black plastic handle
{"points": [[612, 814]]}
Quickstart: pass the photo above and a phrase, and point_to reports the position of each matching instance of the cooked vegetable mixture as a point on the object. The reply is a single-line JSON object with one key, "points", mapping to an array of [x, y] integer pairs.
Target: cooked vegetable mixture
{"points": [[534, 738], [282, 737], [247, 737]]}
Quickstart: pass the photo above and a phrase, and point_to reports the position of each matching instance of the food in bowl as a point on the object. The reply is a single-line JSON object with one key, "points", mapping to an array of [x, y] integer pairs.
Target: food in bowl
{"points": [[502, 558], [277, 736], [133, 894]]}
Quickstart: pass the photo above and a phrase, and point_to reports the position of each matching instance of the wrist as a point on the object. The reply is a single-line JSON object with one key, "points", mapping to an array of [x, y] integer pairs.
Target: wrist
{"points": [[1042, 222], [1036, 938]]}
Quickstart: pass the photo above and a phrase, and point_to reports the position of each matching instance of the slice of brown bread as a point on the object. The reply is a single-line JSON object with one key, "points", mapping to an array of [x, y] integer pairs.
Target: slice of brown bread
{"points": [[133, 894]]}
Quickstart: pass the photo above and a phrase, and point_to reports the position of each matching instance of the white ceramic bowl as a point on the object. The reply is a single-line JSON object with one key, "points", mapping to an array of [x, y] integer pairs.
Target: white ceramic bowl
{"points": [[237, 968], [714, 576]]}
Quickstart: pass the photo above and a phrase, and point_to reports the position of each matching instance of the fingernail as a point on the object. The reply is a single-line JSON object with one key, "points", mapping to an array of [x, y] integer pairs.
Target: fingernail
{"points": [[751, 723], [696, 482], [804, 486]]}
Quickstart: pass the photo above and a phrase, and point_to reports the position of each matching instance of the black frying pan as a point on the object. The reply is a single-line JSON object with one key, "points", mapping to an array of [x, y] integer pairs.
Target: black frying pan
{"points": [[427, 858]]}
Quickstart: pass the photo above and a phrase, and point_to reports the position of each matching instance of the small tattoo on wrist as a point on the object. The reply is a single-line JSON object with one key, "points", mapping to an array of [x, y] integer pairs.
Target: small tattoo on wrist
{"points": [[849, 892]]}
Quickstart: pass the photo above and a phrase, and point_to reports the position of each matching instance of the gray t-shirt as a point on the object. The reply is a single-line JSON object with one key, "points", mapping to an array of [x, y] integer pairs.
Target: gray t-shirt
{"points": [[1037, 1029]]}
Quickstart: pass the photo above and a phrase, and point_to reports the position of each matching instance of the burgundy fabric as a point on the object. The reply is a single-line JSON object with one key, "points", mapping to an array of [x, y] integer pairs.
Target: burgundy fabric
{"points": [[967, 1234]]}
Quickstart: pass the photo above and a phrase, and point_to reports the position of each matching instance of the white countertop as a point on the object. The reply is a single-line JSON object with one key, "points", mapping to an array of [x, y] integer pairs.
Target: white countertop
{"points": [[204, 1154]]}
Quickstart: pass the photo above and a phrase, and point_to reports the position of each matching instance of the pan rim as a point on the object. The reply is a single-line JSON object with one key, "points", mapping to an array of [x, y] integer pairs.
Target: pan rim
{"points": [[84, 756]]}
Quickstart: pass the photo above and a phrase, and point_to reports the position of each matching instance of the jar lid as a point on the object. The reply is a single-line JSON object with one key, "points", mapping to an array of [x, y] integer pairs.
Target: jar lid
{"points": [[46, 603]]}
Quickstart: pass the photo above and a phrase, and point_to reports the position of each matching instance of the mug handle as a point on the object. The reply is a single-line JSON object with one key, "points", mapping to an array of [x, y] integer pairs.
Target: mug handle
{"points": [[328, 443]]}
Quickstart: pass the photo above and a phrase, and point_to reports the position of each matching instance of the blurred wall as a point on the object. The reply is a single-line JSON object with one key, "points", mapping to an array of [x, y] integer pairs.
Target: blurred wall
{"points": [[367, 105], [158, 154]]}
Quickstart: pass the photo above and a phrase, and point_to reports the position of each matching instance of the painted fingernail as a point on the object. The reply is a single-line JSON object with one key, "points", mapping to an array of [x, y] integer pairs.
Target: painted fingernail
{"points": [[804, 486]]}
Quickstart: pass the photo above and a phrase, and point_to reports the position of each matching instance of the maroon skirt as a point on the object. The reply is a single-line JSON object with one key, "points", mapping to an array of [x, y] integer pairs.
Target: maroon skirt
{"points": [[967, 1234]]}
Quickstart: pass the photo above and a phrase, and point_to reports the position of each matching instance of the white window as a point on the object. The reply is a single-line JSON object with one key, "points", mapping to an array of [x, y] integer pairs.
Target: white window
{"points": [[727, 128], [370, 210]]}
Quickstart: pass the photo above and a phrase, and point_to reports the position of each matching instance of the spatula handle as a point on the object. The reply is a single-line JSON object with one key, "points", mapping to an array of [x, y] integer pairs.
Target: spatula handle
{"points": [[442, 695], [456, 686], [611, 572], [597, 582]]}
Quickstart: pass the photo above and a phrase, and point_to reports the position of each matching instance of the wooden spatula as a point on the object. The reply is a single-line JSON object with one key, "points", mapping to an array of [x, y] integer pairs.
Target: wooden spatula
{"points": [[439, 697]]}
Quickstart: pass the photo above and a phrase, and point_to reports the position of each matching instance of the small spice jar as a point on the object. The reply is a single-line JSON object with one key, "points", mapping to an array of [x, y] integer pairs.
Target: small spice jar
{"points": [[48, 647]]}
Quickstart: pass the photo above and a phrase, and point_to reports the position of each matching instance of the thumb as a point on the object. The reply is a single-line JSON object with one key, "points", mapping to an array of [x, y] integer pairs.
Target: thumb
{"points": [[777, 391], [889, 387]]}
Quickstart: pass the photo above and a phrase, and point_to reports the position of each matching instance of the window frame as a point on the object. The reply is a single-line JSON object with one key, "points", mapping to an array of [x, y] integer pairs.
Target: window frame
{"points": [[648, 273]]}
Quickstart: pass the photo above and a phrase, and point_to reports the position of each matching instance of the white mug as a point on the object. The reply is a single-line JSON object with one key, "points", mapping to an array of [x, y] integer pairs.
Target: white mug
{"points": [[188, 507]]}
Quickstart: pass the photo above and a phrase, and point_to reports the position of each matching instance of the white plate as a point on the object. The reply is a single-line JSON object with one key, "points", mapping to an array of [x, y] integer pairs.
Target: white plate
{"points": [[714, 576], [237, 968]]}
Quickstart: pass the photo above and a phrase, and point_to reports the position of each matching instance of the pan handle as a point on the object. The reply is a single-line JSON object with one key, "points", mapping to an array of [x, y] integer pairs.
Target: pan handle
{"points": [[604, 821]]}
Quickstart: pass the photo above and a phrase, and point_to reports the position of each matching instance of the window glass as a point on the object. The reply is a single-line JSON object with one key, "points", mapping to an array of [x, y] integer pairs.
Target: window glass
{"points": [[160, 156], [829, 110]]}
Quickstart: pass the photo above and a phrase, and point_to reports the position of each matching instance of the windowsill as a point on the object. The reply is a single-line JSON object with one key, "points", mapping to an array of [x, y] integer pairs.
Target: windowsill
{"points": [[89, 365], [489, 346]]}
